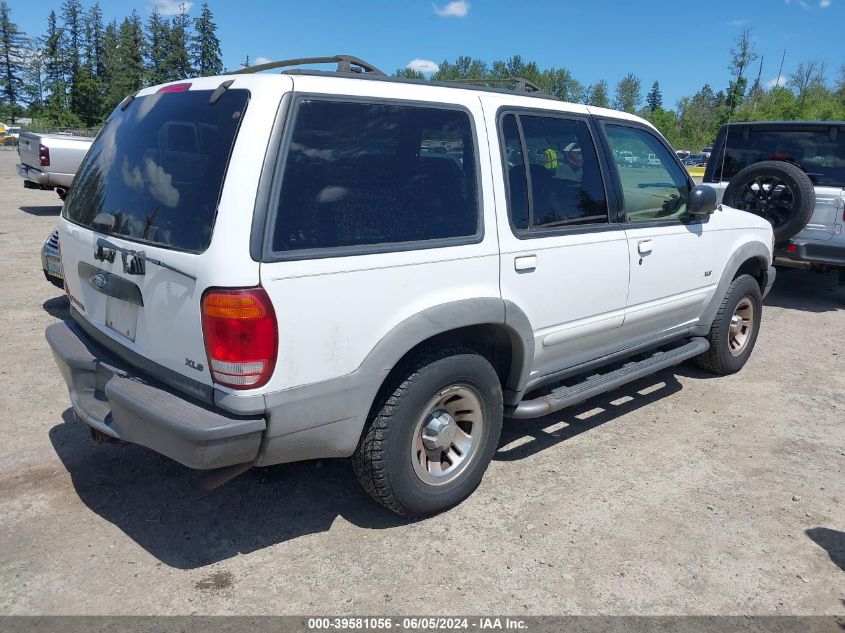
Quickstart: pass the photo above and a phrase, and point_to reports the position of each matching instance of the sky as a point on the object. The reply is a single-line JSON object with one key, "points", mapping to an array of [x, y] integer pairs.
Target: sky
{"points": [[683, 45]]}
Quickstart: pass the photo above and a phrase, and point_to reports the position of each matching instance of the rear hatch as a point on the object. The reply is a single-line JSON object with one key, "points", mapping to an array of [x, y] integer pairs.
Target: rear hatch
{"points": [[138, 224]]}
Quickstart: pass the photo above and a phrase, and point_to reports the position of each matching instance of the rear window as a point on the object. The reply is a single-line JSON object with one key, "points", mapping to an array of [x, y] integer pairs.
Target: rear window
{"points": [[157, 168], [373, 176], [819, 151]]}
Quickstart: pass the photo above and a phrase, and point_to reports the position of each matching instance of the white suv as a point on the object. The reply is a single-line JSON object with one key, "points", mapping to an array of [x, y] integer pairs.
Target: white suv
{"points": [[269, 268]]}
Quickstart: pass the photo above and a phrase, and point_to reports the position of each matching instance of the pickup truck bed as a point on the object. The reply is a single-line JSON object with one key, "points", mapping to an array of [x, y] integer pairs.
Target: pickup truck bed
{"points": [[50, 161]]}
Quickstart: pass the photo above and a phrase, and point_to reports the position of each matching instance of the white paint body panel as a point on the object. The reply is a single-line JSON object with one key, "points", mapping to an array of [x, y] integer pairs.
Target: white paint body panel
{"points": [[168, 329], [333, 311]]}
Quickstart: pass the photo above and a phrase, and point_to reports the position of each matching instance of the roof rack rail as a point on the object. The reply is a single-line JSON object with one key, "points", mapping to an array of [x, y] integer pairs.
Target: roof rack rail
{"points": [[345, 64], [519, 84]]}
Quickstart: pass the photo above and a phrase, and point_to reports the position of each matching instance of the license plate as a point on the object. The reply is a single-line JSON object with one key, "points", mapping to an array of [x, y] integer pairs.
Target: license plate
{"points": [[54, 267], [122, 317]]}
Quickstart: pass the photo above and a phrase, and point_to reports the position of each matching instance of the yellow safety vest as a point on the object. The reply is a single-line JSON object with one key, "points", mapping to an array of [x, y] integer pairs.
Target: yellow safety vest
{"points": [[550, 159]]}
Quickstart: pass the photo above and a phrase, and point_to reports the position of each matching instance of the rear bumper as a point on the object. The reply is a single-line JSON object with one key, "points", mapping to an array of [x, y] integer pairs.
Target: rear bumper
{"points": [[119, 401], [812, 252], [43, 178]]}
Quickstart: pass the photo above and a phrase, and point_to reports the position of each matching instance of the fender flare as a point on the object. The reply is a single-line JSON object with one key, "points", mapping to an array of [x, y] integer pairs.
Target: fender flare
{"points": [[749, 250]]}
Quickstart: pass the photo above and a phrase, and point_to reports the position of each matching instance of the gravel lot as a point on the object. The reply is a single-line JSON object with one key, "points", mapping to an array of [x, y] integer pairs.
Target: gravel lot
{"points": [[680, 494]]}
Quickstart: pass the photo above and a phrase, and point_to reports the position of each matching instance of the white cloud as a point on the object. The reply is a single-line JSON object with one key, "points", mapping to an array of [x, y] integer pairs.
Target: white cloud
{"points": [[454, 9], [261, 60], [824, 4], [425, 66], [777, 81], [738, 22], [172, 7], [801, 3]]}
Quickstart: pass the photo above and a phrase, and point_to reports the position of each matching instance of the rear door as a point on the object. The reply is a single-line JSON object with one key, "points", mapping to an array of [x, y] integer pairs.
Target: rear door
{"points": [[564, 262], [136, 235]]}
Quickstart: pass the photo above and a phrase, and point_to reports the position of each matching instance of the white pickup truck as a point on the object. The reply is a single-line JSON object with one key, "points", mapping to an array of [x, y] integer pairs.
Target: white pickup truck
{"points": [[50, 161]]}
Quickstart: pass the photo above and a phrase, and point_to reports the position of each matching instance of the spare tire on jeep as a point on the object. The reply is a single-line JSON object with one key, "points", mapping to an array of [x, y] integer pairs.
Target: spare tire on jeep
{"points": [[777, 191]]}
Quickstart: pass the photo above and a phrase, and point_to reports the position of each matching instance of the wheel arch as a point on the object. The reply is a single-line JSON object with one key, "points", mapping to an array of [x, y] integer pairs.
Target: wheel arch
{"points": [[752, 258]]}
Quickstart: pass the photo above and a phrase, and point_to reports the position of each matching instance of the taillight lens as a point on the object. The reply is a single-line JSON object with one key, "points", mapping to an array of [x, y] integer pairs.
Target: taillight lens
{"points": [[44, 156], [241, 336]]}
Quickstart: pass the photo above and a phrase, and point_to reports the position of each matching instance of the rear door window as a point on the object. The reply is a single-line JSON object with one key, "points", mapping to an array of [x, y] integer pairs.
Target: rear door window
{"points": [[157, 168], [376, 177], [553, 174]]}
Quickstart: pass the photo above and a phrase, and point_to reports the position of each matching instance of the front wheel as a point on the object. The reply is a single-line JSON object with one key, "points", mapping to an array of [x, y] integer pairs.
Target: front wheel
{"points": [[734, 330], [433, 433]]}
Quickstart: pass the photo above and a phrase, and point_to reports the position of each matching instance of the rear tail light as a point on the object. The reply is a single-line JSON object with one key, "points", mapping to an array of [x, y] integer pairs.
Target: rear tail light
{"points": [[792, 248], [241, 337], [44, 156], [183, 87]]}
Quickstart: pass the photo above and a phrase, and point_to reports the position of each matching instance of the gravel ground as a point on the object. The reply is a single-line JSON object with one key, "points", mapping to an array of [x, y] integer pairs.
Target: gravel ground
{"points": [[679, 494]]}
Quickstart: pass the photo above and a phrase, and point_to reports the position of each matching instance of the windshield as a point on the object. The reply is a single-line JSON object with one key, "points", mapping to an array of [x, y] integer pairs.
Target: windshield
{"points": [[819, 151], [157, 168]]}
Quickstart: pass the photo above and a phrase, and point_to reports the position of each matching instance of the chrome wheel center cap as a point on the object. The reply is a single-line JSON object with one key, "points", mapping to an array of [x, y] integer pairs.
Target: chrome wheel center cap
{"points": [[439, 431], [736, 324]]}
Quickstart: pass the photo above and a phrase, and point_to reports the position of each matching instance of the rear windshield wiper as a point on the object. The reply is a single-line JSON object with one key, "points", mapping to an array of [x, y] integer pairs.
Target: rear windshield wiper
{"points": [[134, 262]]}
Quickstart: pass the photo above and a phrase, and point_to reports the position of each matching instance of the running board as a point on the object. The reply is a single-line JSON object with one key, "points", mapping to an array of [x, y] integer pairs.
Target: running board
{"points": [[563, 397]]}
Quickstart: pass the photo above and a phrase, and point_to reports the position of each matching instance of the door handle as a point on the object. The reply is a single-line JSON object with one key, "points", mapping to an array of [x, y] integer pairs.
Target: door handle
{"points": [[525, 263], [644, 247]]}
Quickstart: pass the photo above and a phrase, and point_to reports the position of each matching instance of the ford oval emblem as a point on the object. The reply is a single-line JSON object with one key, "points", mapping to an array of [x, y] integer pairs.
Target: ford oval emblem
{"points": [[99, 280]]}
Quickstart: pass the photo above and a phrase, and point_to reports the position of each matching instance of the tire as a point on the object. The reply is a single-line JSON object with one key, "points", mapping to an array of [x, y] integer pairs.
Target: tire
{"points": [[724, 356], [778, 191], [388, 461]]}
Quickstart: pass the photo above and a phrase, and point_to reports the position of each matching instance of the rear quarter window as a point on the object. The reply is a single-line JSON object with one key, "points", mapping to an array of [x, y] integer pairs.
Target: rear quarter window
{"points": [[376, 177], [157, 168]]}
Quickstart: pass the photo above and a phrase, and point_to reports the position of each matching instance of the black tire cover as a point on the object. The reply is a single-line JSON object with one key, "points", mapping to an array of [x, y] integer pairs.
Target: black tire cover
{"points": [[803, 195]]}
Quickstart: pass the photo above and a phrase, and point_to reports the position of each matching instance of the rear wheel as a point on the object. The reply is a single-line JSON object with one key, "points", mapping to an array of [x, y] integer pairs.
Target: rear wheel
{"points": [[734, 331], [778, 191], [427, 445]]}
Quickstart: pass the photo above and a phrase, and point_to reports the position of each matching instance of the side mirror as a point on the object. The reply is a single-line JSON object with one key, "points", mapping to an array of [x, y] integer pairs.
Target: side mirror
{"points": [[702, 201]]}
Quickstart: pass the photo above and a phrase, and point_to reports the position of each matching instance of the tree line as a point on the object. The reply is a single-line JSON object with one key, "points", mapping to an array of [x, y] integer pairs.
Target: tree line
{"points": [[81, 68], [808, 93], [77, 72]]}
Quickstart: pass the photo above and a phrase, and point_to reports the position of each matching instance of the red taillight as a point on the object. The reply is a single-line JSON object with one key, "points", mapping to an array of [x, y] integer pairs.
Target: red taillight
{"points": [[175, 88], [241, 337], [792, 248], [44, 156]]}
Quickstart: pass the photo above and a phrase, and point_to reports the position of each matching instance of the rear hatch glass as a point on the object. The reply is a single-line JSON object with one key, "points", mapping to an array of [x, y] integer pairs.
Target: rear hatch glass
{"points": [[818, 150], [157, 168]]}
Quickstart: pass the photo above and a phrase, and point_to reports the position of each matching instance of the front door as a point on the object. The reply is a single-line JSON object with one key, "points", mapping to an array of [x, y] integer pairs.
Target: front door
{"points": [[671, 256]]}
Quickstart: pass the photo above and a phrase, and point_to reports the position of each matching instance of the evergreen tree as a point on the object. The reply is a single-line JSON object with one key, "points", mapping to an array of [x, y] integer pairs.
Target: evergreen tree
{"points": [[125, 68], [598, 95], [654, 99], [33, 79], [158, 42], [206, 46], [86, 96], [463, 68], [55, 64], [94, 40], [628, 95], [179, 59], [408, 73], [12, 63], [72, 15]]}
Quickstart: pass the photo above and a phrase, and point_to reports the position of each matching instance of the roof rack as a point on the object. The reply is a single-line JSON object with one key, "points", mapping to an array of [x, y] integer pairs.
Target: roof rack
{"points": [[518, 83], [345, 64]]}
